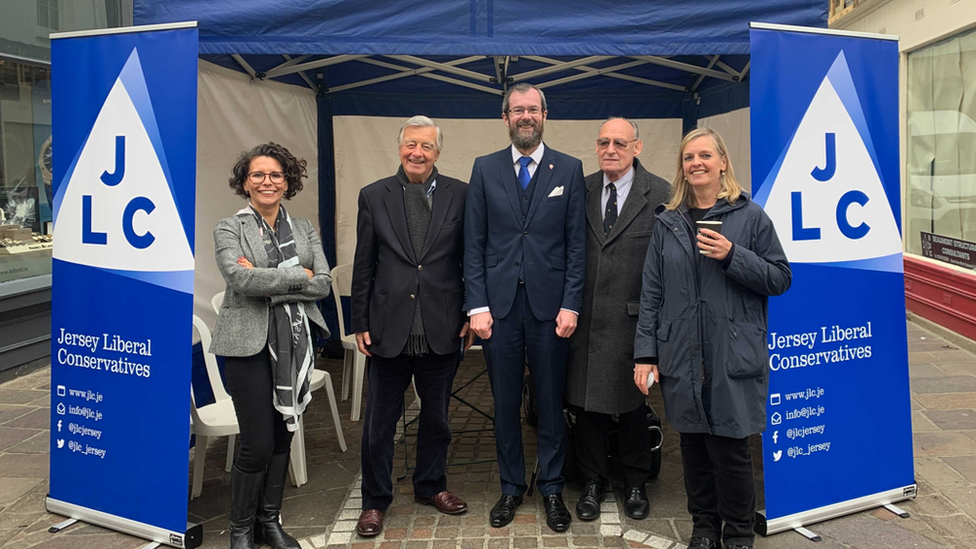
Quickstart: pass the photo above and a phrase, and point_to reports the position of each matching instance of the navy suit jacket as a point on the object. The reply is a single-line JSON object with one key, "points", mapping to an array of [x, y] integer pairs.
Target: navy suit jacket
{"points": [[549, 245]]}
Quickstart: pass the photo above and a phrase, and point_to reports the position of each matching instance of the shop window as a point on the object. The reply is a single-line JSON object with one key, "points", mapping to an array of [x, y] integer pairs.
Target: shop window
{"points": [[940, 220]]}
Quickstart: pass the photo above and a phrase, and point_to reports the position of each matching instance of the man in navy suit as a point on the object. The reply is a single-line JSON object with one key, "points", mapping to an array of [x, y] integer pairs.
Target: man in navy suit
{"points": [[524, 251]]}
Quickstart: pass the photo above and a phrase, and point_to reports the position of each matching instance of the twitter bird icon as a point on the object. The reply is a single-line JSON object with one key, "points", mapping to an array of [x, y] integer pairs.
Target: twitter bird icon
{"points": [[777, 455]]}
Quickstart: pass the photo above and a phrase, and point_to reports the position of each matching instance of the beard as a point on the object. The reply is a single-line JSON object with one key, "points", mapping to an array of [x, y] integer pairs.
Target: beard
{"points": [[526, 141]]}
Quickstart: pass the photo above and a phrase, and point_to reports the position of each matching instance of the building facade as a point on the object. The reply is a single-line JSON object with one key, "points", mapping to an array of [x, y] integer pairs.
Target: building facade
{"points": [[25, 163], [937, 79]]}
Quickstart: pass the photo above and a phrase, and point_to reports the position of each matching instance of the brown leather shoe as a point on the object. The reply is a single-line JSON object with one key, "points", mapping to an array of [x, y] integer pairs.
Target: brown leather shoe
{"points": [[370, 523], [446, 503]]}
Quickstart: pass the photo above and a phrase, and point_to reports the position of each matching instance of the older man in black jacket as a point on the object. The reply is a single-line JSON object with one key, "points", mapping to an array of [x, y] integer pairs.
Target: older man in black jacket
{"points": [[620, 202], [407, 293]]}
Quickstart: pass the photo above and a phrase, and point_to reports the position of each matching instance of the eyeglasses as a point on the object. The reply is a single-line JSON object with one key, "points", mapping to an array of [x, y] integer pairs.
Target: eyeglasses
{"points": [[258, 177], [602, 144], [427, 146], [519, 111]]}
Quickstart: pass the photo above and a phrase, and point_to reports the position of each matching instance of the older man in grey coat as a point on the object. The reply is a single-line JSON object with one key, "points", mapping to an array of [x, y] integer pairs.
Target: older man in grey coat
{"points": [[620, 202]]}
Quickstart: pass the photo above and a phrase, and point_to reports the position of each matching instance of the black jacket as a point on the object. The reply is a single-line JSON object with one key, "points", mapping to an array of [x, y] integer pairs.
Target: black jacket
{"points": [[387, 278]]}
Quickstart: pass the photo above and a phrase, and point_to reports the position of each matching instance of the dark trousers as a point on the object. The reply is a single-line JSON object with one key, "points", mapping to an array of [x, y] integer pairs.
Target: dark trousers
{"points": [[388, 379], [263, 430], [721, 486], [512, 338], [635, 446]]}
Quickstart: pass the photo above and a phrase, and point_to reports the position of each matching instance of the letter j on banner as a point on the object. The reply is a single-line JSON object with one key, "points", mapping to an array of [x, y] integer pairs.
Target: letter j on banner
{"points": [[825, 164], [124, 119]]}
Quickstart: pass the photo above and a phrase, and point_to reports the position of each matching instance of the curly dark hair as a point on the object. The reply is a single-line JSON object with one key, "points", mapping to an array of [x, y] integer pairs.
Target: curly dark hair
{"points": [[294, 168]]}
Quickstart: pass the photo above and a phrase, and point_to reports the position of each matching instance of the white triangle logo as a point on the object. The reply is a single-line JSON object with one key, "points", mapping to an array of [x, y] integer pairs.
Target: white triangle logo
{"points": [[132, 222], [828, 202]]}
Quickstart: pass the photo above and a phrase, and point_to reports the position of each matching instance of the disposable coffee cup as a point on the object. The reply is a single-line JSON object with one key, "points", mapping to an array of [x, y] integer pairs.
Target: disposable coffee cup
{"points": [[713, 225]]}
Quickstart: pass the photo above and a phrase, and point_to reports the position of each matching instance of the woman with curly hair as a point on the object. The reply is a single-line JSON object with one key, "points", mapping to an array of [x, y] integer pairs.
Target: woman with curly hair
{"points": [[275, 271]]}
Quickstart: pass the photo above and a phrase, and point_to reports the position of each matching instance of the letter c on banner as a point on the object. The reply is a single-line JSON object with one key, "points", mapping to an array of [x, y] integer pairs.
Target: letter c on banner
{"points": [[139, 203], [851, 197]]}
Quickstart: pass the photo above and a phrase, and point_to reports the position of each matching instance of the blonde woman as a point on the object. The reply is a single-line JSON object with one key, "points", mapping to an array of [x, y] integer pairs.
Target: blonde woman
{"points": [[701, 333]]}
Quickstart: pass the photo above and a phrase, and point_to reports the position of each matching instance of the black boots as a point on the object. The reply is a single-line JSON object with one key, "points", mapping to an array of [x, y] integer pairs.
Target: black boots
{"points": [[268, 528], [245, 490], [255, 505]]}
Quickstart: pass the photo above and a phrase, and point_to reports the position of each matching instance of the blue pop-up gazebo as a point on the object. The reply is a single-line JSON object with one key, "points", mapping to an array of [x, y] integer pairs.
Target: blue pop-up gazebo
{"points": [[454, 59]]}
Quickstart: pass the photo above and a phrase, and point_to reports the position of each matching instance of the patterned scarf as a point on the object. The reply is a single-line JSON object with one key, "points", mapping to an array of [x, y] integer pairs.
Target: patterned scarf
{"points": [[289, 333]]}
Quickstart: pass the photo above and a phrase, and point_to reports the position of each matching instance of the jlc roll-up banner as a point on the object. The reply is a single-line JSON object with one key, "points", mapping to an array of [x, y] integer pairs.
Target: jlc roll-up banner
{"points": [[124, 120], [825, 164]]}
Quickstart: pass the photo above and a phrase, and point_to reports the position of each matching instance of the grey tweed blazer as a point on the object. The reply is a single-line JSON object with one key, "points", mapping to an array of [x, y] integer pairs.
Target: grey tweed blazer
{"points": [[242, 325]]}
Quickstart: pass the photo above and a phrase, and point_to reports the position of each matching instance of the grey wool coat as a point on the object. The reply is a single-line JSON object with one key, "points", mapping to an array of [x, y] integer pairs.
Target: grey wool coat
{"points": [[694, 313], [600, 371], [242, 324]]}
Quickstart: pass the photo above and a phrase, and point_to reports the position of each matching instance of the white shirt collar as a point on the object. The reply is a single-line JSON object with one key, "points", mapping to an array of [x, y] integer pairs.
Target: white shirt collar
{"points": [[625, 180], [536, 154]]}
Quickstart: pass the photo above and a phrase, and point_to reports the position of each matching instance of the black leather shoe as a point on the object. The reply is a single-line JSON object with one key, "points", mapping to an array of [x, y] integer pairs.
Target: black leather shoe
{"points": [[588, 506], [636, 506], [504, 511], [738, 546], [557, 515], [702, 543]]}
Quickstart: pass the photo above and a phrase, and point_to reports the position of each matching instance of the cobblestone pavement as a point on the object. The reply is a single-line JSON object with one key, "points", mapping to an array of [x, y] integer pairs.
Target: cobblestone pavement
{"points": [[322, 513]]}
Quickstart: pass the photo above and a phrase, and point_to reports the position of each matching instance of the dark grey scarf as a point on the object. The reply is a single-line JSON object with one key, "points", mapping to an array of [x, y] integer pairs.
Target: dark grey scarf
{"points": [[289, 334], [416, 203]]}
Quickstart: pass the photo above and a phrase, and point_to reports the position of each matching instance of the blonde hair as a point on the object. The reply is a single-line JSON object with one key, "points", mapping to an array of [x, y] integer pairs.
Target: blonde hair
{"points": [[681, 189]]}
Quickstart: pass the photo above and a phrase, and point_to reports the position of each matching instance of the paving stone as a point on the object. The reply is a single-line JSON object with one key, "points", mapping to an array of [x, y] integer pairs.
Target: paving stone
{"points": [[445, 544], [610, 530], [958, 368], [952, 401], [938, 473], [658, 542], [19, 396], [555, 541], [502, 543], [37, 444], [944, 384], [921, 423], [10, 436], [9, 412], [924, 370], [863, 530], [965, 465], [963, 497], [956, 526], [422, 533], [525, 543], [937, 505], [952, 420], [950, 355], [943, 444]]}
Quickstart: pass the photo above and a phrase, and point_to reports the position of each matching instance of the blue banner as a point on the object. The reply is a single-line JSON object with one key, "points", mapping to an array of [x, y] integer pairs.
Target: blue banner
{"points": [[124, 120], [825, 164]]}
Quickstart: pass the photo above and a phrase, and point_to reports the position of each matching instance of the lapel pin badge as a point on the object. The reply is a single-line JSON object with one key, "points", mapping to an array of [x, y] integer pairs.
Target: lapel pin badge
{"points": [[550, 166]]}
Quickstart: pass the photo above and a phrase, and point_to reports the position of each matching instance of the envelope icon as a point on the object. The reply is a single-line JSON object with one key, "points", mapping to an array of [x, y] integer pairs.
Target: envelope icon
{"points": [[558, 191]]}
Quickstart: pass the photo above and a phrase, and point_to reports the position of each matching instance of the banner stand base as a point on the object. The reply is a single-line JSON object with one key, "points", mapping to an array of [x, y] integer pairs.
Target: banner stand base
{"points": [[799, 520], [189, 539]]}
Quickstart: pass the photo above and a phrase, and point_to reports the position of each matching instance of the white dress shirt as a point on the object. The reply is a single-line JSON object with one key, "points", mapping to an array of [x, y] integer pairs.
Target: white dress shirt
{"points": [[623, 186]]}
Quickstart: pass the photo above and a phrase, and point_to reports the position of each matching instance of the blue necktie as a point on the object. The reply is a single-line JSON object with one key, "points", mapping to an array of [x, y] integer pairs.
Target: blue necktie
{"points": [[523, 175]]}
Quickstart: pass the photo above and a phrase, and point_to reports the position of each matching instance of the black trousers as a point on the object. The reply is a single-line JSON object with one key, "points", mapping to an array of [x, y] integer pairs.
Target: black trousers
{"points": [[263, 430], [635, 446], [721, 486], [513, 337], [388, 379]]}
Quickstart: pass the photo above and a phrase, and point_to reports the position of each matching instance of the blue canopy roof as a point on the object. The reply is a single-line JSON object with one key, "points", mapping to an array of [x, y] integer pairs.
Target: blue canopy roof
{"points": [[478, 27]]}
